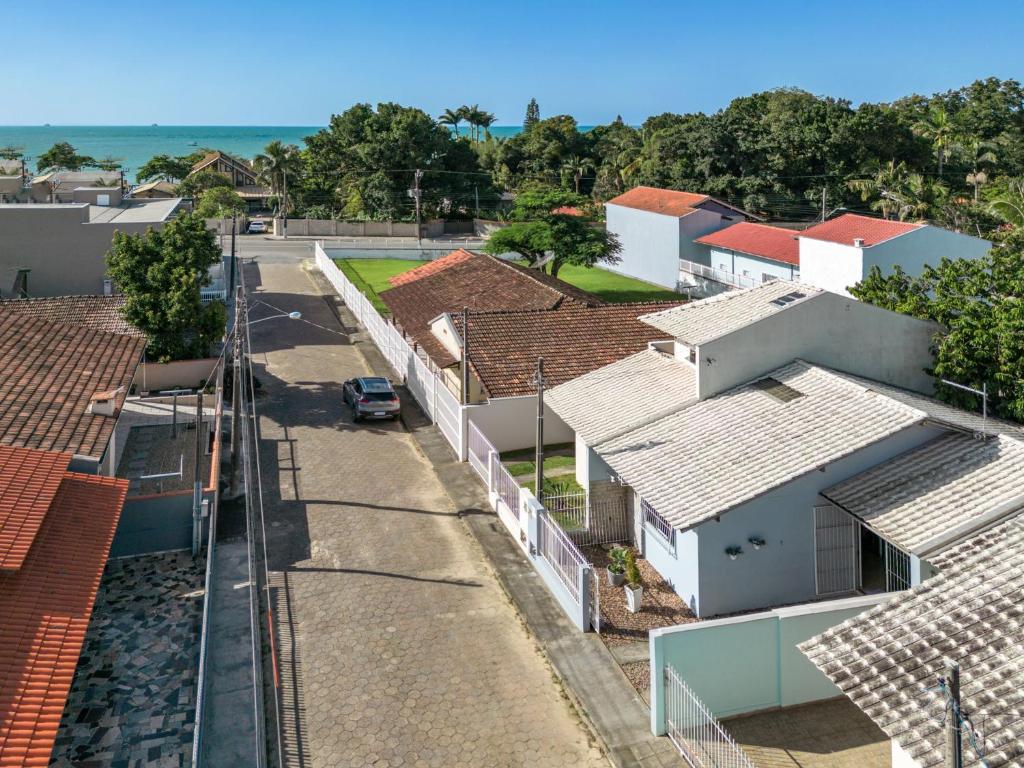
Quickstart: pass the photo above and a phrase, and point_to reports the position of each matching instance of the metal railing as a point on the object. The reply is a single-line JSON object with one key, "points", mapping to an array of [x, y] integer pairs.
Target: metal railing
{"points": [[699, 737], [719, 275], [506, 486], [206, 295], [479, 452], [555, 546], [569, 510], [662, 526]]}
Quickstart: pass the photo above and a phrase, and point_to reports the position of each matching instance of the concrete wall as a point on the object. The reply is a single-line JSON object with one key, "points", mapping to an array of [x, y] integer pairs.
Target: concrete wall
{"points": [[782, 571], [67, 254], [511, 423], [827, 329], [697, 224], [156, 523], [96, 195], [678, 562], [748, 663], [748, 266], [180, 374], [650, 244], [335, 228]]}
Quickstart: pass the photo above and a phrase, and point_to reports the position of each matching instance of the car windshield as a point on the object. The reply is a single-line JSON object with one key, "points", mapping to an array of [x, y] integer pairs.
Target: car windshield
{"points": [[378, 397], [376, 385]]}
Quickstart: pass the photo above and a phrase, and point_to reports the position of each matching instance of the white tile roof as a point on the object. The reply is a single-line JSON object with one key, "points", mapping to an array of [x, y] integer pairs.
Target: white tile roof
{"points": [[624, 395], [888, 659], [932, 491], [699, 322]]}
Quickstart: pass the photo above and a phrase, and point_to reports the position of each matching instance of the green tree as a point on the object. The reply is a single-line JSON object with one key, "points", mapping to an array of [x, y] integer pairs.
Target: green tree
{"points": [[278, 164], [166, 168], [195, 184], [63, 157], [576, 168], [160, 274], [452, 117], [1006, 201], [937, 128], [220, 202], [109, 163], [978, 152], [532, 115], [11, 152]]}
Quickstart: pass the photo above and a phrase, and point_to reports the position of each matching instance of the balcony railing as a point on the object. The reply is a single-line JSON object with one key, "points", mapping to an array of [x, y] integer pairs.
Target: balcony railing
{"points": [[206, 295], [718, 275]]}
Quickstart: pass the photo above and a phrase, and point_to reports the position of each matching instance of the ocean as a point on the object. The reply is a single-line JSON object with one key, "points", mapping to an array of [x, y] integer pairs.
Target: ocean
{"points": [[133, 145]]}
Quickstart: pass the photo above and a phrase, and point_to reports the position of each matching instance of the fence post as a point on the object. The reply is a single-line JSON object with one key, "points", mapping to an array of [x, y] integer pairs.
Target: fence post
{"points": [[585, 586], [657, 654], [533, 509]]}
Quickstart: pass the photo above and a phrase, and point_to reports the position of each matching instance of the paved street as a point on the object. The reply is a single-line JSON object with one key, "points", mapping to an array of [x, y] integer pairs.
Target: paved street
{"points": [[396, 645]]}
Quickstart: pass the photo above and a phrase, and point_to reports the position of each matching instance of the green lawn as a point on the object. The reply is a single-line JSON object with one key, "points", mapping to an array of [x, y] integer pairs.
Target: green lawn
{"points": [[371, 277]]}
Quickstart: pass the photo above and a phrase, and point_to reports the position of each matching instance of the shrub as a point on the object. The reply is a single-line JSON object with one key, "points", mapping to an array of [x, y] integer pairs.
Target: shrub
{"points": [[632, 571]]}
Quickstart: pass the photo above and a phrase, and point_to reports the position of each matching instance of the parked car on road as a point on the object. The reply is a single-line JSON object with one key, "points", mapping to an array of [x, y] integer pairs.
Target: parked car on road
{"points": [[257, 227], [371, 397]]}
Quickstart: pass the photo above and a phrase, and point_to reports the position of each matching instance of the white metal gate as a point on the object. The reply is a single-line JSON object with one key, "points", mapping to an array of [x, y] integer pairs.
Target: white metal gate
{"points": [[698, 736], [897, 568], [836, 551]]}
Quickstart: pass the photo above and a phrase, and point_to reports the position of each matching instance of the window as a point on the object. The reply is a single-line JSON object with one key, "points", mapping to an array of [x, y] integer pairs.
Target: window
{"points": [[775, 388], [660, 525], [789, 298]]}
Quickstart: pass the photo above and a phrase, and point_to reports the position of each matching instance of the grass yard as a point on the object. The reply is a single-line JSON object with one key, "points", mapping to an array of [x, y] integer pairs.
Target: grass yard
{"points": [[559, 467], [370, 276]]}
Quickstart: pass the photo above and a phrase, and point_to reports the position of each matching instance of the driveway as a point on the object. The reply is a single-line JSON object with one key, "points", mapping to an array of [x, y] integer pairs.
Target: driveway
{"points": [[396, 646]]}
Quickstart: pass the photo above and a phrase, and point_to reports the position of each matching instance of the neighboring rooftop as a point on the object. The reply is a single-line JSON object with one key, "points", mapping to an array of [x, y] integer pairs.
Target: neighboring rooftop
{"points": [[135, 211], [46, 603], [102, 313], [573, 340], [71, 179], [50, 373], [852, 226], [165, 188], [715, 454], [28, 482], [431, 267], [667, 202], [702, 321], [762, 240], [888, 660], [922, 499], [654, 383]]}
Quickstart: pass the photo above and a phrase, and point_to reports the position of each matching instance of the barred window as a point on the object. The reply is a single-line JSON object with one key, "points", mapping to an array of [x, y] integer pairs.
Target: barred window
{"points": [[662, 526]]}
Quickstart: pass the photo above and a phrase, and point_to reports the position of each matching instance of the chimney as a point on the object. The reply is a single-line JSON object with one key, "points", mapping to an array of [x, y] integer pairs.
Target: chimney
{"points": [[858, 242], [104, 403]]}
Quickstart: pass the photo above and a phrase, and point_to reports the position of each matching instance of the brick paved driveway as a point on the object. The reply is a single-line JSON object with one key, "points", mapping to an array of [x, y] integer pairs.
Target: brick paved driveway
{"points": [[396, 645]]}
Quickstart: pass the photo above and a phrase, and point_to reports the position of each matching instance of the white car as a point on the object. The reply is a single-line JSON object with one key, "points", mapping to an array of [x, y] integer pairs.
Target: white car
{"points": [[257, 227]]}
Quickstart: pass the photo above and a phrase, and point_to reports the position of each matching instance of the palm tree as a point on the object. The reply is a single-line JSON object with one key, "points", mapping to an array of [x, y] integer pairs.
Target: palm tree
{"points": [[978, 151], [452, 117], [485, 120], [274, 166], [472, 116], [1009, 204], [937, 128], [883, 188], [577, 167]]}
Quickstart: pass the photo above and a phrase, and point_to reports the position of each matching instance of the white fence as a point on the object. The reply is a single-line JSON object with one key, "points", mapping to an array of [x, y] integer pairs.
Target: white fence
{"points": [[589, 520], [425, 384], [698, 736], [718, 275]]}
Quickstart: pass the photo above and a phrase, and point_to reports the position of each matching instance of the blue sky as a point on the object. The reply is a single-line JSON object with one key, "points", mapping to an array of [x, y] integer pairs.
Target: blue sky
{"points": [[192, 62]]}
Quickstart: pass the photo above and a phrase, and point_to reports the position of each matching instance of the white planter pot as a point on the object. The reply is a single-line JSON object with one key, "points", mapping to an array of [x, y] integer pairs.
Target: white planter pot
{"points": [[634, 596]]}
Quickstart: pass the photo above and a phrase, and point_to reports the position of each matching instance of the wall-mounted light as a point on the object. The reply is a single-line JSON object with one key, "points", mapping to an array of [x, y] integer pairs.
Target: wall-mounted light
{"points": [[756, 542], [733, 552]]}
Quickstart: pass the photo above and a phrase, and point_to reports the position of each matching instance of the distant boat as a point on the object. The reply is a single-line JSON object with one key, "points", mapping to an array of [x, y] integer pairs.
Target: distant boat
{"points": [[46, 125], [154, 125], [193, 144]]}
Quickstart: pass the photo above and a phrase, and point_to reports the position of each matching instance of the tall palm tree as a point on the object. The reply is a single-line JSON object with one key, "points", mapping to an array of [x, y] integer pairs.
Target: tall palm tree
{"points": [[937, 128], [1009, 204], [883, 189], [472, 116], [274, 166], [978, 151], [452, 117], [485, 120], [577, 167]]}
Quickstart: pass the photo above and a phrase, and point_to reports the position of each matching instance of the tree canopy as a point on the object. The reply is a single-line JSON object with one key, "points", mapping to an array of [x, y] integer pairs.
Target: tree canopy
{"points": [[63, 157], [160, 274], [166, 168], [219, 202]]}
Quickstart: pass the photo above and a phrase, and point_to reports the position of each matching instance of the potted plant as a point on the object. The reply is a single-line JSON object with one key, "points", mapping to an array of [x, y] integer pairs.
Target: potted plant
{"points": [[733, 552], [634, 586], [756, 542], [617, 567]]}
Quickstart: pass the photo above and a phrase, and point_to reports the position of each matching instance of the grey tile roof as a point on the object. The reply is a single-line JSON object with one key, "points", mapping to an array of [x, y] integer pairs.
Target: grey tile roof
{"points": [[707, 319], [623, 395], [888, 659], [948, 485]]}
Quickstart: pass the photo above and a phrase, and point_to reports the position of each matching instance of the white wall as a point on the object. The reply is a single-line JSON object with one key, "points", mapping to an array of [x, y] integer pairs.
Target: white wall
{"points": [[511, 423], [901, 758], [698, 224], [650, 244], [749, 266], [827, 329], [831, 266]]}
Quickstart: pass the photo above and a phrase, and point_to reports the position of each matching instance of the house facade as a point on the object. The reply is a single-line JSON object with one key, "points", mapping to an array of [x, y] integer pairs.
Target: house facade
{"points": [[742, 255], [240, 173], [657, 227]]}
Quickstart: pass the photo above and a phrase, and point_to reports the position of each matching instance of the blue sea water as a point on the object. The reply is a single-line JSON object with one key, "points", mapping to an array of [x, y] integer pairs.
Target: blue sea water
{"points": [[133, 145]]}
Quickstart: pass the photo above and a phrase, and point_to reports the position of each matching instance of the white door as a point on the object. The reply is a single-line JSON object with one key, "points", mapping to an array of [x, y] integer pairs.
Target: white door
{"points": [[836, 550]]}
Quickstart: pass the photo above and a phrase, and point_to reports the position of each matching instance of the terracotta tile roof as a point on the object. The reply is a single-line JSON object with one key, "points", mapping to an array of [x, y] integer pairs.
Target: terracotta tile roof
{"points": [[100, 312], [431, 267], [50, 371], [775, 243], [482, 283], [28, 483], [46, 606], [573, 340], [667, 202], [844, 229]]}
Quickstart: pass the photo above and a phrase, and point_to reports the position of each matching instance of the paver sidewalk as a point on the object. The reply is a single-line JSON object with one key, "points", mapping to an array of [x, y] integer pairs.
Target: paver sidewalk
{"points": [[396, 644]]}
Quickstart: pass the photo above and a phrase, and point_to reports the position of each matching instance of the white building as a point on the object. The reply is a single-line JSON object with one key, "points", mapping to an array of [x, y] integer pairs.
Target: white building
{"points": [[741, 256], [838, 253], [657, 228]]}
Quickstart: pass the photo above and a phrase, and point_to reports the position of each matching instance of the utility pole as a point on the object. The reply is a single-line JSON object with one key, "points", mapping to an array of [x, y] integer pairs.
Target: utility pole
{"points": [[416, 197], [197, 480], [824, 198], [476, 195], [284, 204], [236, 394], [954, 744], [234, 231], [465, 356], [539, 454]]}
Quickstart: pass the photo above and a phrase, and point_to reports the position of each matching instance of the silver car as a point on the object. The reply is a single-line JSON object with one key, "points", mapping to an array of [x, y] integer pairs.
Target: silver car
{"points": [[371, 397]]}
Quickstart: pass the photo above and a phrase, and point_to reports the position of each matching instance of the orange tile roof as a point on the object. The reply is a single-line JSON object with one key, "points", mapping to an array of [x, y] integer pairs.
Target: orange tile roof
{"points": [[28, 482], [844, 229], [775, 243], [46, 606], [49, 374], [668, 202], [431, 267], [100, 312]]}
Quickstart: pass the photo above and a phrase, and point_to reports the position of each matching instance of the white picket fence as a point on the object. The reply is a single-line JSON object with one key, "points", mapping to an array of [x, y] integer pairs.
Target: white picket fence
{"points": [[425, 384], [699, 737]]}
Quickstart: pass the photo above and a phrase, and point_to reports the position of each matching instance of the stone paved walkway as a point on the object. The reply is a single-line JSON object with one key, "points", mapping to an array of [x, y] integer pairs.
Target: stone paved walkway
{"points": [[132, 701], [396, 644]]}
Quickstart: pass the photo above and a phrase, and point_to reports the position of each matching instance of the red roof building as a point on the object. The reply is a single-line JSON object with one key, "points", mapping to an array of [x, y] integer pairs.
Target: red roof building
{"points": [[668, 202], [56, 528], [761, 240], [860, 231]]}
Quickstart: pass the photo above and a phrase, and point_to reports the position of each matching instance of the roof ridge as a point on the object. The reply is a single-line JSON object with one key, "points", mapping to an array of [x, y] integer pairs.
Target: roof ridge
{"points": [[527, 270]]}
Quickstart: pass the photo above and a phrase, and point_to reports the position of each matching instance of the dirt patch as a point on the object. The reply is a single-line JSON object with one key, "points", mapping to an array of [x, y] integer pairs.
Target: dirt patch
{"points": [[639, 674]]}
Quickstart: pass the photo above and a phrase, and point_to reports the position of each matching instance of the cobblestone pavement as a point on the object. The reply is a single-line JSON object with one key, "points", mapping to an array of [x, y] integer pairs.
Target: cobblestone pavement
{"points": [[396, 645], [132, 701]]}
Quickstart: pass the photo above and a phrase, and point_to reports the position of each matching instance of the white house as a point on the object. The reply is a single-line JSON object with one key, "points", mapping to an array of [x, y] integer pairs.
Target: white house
{"points": [[747, 439], [838, 253], [743, 255], [657, 228]]}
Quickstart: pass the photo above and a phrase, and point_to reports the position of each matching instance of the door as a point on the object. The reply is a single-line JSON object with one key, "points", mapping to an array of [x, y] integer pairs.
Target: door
{"points": [[836, 550]]}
